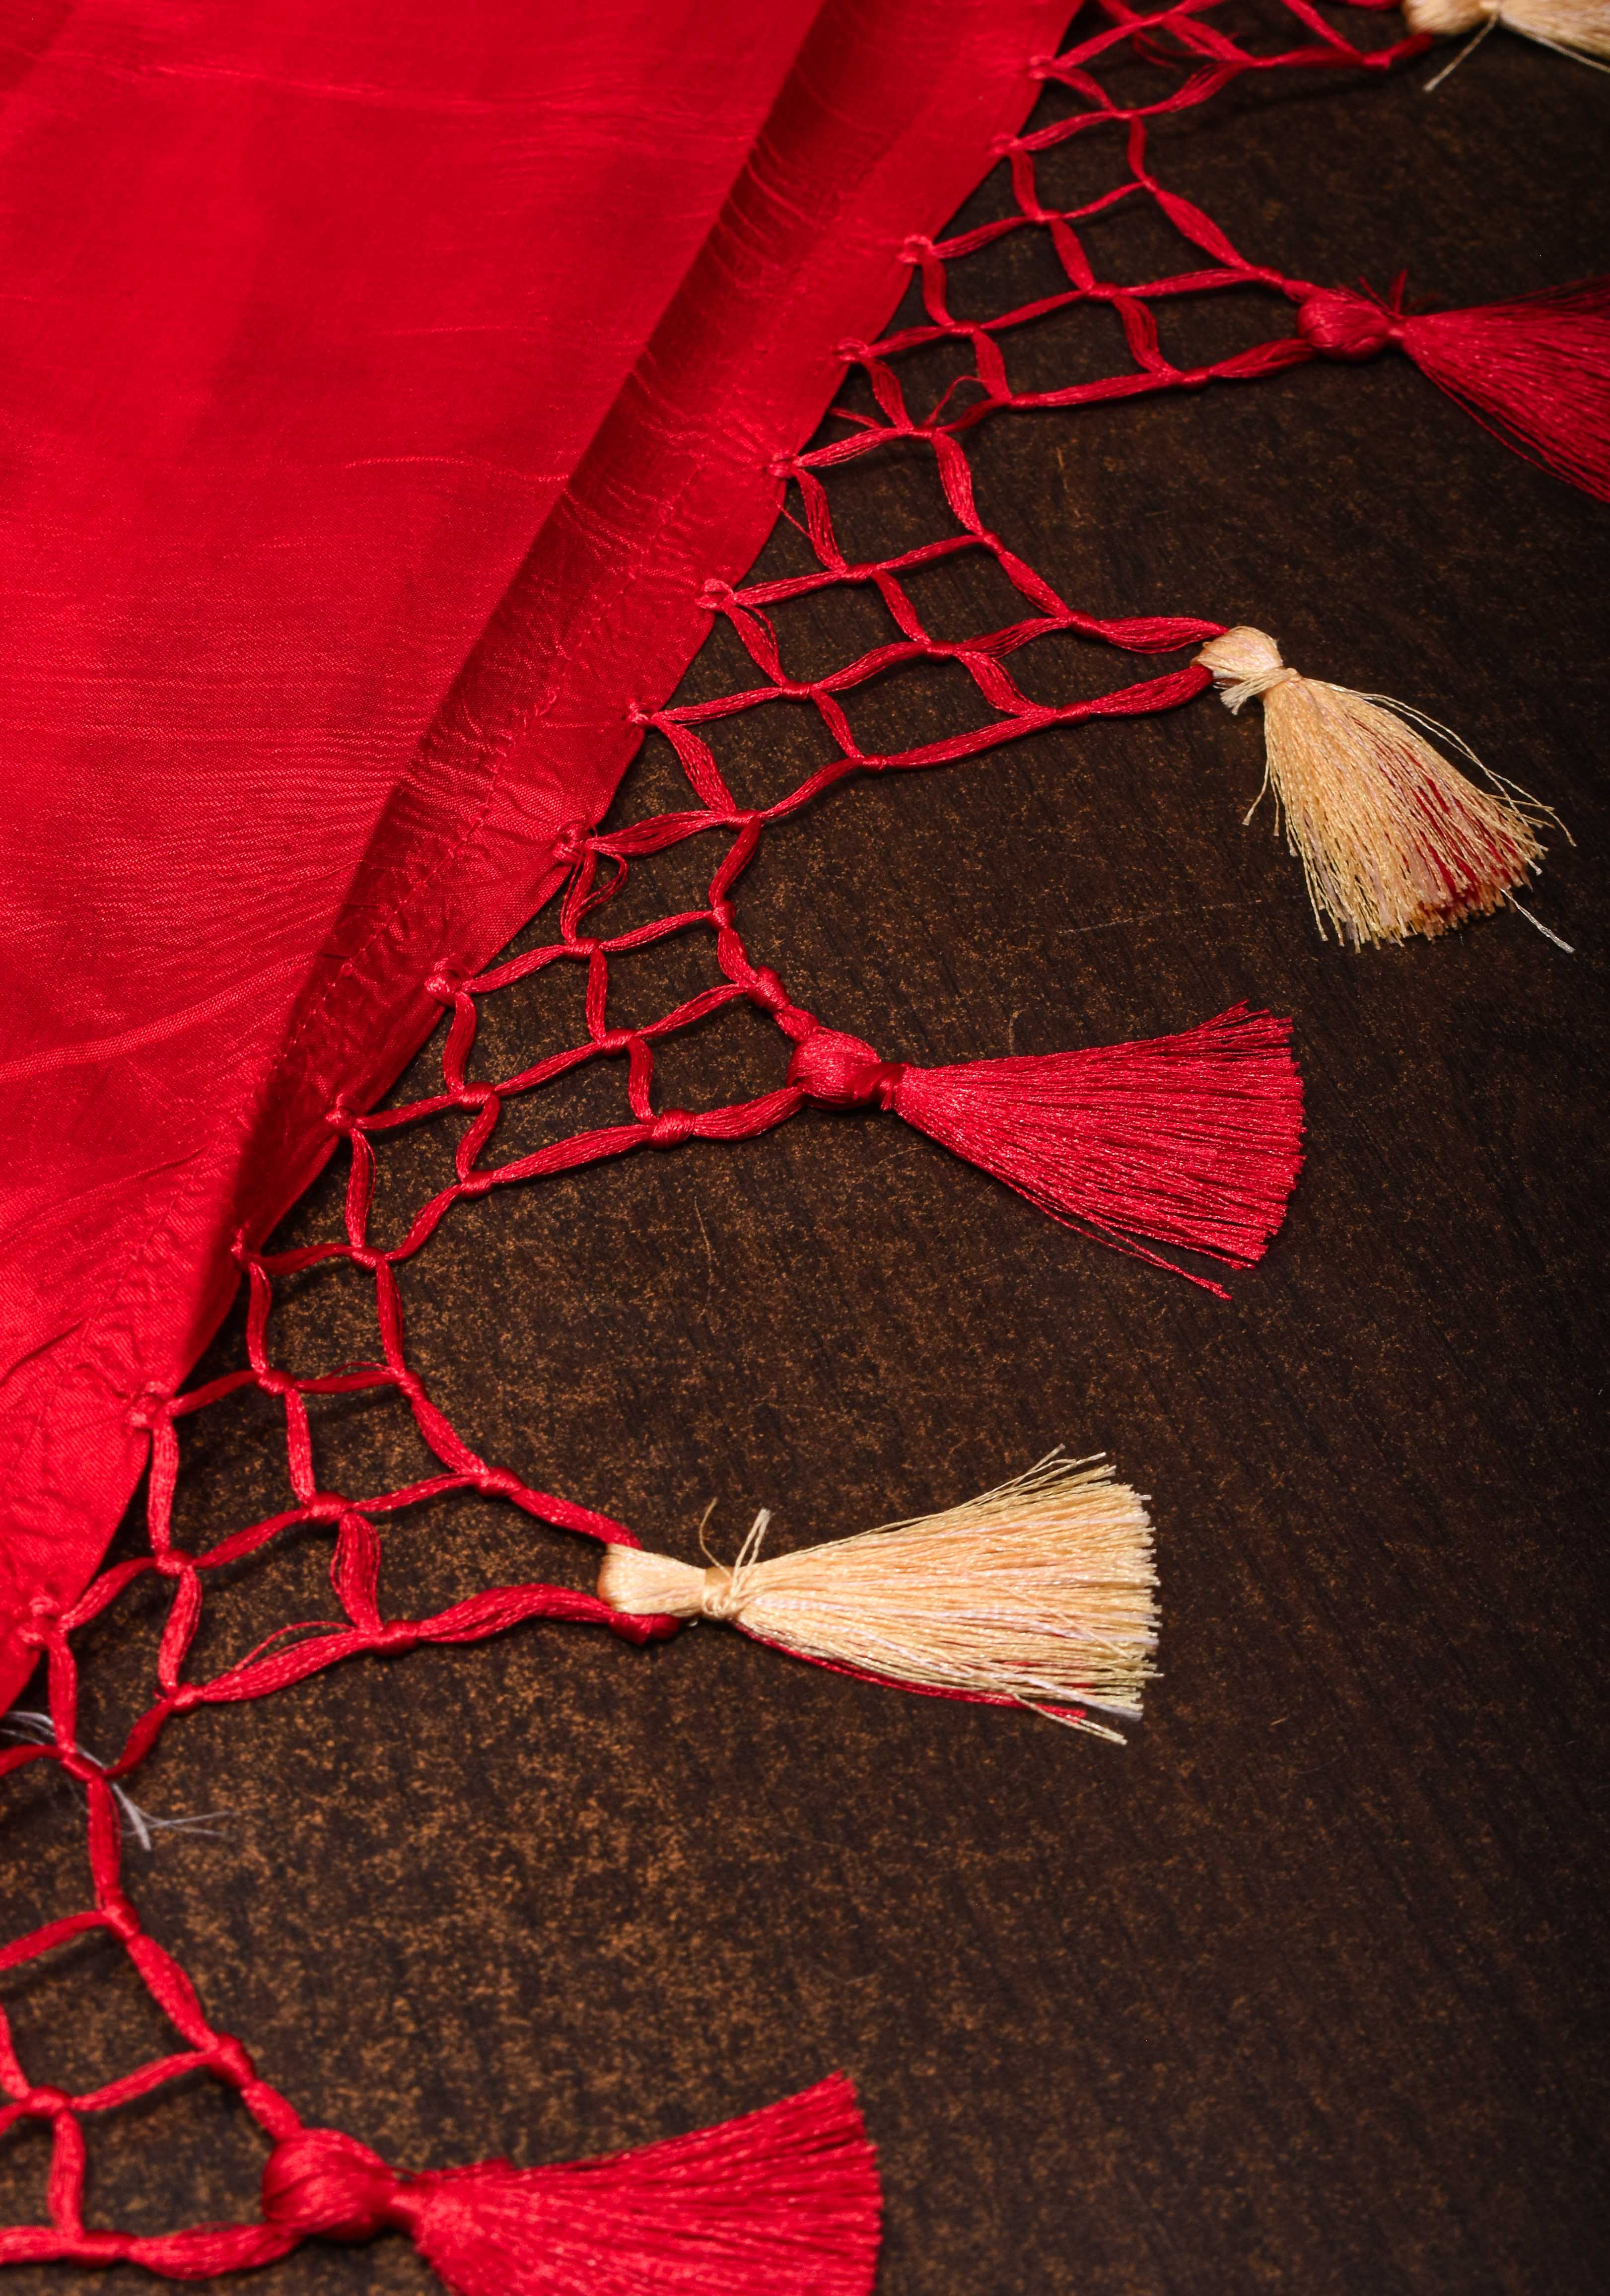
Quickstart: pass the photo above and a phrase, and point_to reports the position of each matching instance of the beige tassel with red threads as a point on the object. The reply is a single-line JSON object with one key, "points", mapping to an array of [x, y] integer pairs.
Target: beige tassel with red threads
{"points": [[1393, 838], [1041, 1594]]}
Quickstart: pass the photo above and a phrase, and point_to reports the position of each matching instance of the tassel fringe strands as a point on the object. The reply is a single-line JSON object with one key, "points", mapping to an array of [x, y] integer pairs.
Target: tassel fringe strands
{"points": [[1192, 1141], [1041, 1593], [785, 2200], [1393, 839], [1536, 371]]}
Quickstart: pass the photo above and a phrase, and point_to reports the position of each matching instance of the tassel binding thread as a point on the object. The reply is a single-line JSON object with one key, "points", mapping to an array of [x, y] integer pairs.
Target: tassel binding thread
{"points": [[1393, 838], [1041, 1593]]}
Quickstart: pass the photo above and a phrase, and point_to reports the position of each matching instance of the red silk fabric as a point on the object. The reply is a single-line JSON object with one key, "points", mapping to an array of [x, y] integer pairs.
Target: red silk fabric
{"points": [[382, 385]]}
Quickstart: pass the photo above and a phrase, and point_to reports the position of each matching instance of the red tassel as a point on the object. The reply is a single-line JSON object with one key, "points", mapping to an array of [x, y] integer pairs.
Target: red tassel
{"points": [[1190, 1140], [1534, 371], [785, 2200]]}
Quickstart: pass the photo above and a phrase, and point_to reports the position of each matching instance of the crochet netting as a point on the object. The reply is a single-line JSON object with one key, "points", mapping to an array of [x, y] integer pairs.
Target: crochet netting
{"points": [[1197, 59]]}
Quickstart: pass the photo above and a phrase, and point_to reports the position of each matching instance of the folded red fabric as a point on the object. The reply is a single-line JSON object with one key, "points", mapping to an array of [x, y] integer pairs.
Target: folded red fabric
{"points": [[384, 384]]}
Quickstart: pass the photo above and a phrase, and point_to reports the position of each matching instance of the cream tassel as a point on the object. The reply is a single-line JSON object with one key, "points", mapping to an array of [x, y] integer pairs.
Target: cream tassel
{"points": [[1039, 1594], [1393, 839], [1572, 28]]}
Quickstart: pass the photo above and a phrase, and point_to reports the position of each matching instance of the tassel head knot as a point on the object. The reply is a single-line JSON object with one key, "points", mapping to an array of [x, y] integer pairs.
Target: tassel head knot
{"points": [[842, 1071], [320, 2182], [1341, 325], [1245, 663]]}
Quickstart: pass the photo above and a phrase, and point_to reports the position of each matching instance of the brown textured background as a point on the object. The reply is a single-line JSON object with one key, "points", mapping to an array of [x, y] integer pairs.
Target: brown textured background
{"points": [[1305, 1989]]}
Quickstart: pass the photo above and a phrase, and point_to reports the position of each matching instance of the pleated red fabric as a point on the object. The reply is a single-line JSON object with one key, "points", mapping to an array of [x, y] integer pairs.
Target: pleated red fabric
{"points": [[383, 384]]}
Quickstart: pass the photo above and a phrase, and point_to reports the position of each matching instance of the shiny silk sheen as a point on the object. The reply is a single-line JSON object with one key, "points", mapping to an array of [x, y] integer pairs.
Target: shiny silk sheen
{"points": [[381, 385]]}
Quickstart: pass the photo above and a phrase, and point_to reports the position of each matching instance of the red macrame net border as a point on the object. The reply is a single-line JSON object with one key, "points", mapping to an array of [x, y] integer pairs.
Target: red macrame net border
{"points": [[1177, 37]]}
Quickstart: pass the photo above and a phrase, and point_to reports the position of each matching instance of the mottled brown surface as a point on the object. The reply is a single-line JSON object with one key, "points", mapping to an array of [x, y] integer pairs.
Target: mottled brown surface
{"points": [[1303, 1990]]}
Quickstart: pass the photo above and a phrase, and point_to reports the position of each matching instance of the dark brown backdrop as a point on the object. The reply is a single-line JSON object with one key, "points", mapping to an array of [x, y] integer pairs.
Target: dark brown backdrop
{"points": [[1304, 1989]]}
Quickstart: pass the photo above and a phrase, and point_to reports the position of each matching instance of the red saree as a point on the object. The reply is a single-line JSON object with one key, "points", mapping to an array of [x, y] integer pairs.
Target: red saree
{"points": [[386, 382]]}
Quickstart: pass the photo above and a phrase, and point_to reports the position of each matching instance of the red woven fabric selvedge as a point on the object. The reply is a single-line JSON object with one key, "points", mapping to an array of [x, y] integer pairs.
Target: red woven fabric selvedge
{"points": [[177, 1099]]}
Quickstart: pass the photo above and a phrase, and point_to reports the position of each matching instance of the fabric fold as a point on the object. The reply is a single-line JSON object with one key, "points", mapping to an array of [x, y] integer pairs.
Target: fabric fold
{"points": [[417, 701]]}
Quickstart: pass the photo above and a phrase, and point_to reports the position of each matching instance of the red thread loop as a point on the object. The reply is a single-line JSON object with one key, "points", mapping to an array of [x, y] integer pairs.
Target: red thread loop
{"points": [[1341, 325], [321, 2182], [843, 1071]]}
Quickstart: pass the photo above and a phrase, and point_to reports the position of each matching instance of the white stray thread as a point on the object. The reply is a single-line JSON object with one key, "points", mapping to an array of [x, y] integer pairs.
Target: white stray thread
{"points": [[38, 1729]]}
